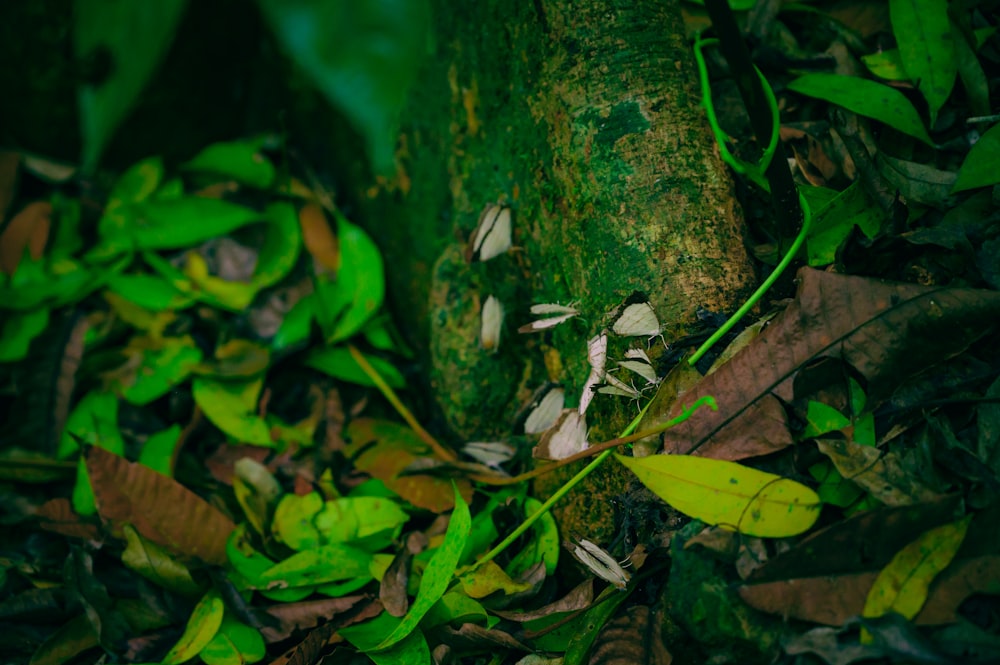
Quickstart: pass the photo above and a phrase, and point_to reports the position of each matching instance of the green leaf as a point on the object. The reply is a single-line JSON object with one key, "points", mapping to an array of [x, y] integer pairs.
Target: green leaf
{"points": [[833, 488], [163, 364], [17, 331], [821, 418], [156, 564], [41, 283], [361, 56], [346, 306], [231, 406], [280, 249], [328, 563], [241, 161], [296, 326], [247, 565], [886, 65], [371, 523], [438, 574], [149, 291], [834, 219], [412, 650], [187, 221], [902, 585], [257, 491], [137, 184], [158, 451], [923, 34], [201, 627], [293, 522], [715, 491], [234, 644], [338, 363], [545, 546], [134, 36], [455, 607], [866, 98], [94, 420], [981, 167]]}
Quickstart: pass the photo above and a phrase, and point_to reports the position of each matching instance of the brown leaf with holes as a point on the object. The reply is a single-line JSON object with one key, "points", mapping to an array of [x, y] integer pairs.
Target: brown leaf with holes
{"points": [[886, 331], [633, 637], [28, 228], [160, 508]]}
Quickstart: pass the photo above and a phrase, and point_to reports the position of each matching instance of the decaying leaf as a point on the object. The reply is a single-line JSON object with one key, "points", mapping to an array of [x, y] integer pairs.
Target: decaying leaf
{"points": [[881, 473], [885, 331], [160, 508], [633, 637]]}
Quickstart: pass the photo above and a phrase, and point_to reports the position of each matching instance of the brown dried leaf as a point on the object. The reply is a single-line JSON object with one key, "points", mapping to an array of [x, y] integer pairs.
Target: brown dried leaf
{"points": [[392, 590], [160, 508], [863, 542], [318, 237], [631, 638], [886, 331], [880, 473], [10, 167], [395, 448], [57, 516], [579, 598], [281, 621], [28, 228], [471, 636], [834, 599]]}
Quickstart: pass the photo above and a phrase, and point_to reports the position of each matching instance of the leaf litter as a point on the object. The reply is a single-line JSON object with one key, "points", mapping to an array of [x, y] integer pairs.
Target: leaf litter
{"points": [[912, 473]]}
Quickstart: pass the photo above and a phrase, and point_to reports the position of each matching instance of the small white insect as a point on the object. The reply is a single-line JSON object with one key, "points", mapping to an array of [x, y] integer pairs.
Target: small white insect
{"points": [[601, 564], [637, 361], [556, 314], [545, 414], [567, 437], [490, 325], [490, 453], [493, 233], [597, 355], [636, 318]]}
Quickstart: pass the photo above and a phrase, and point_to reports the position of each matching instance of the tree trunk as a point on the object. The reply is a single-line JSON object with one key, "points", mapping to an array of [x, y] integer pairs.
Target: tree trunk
{"points": [[584, 118]]}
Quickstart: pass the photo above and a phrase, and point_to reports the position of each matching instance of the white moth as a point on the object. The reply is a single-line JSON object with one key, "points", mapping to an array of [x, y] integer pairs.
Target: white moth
{"points": [[490, 453], [601, 564], [493, 233], [545, 414], [614, 386], [637, 361], [636, 318], [567, 437], [555, 314], [597, 355], [492, 321]]}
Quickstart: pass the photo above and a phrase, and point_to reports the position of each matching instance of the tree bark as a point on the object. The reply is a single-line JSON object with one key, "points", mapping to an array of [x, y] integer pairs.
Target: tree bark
{"points": [[584, 118]]}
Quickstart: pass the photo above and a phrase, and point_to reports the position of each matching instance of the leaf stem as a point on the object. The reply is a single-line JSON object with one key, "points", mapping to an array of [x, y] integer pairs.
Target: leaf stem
{"points": [[572, 482], [393, 399]]}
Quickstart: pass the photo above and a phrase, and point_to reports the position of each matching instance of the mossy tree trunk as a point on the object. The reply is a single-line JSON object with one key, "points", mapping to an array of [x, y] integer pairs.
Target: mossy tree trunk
{"points": [[583, 117]]}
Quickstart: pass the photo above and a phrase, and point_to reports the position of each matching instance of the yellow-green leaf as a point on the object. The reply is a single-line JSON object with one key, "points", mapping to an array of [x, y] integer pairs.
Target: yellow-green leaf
{"points": [[201, 628], [156, 564], [902, 585], [727, 494]]}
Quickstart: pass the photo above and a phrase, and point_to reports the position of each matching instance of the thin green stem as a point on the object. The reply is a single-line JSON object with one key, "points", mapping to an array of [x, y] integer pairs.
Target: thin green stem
{"points": [[762, 289], [575, 480]]}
